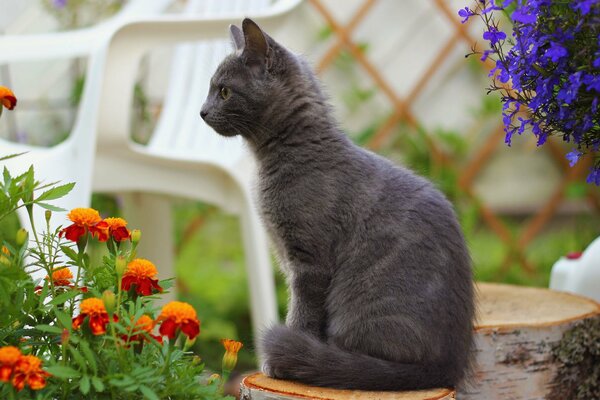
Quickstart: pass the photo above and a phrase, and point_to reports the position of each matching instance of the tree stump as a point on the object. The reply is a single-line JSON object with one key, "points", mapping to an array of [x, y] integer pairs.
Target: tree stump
{"points": [[534, 343], [261, 387], [530, 344]]}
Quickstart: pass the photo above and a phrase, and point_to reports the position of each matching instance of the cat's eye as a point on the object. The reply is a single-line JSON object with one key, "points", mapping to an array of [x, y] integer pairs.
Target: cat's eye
{"points": [[225, 93]]}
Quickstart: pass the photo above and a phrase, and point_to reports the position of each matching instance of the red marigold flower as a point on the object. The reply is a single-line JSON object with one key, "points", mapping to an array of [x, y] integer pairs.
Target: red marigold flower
{"points": [[28, 371], [144, 324], [178, 315], [142, 274], [232, 347], [9, 355], [85, 220], [7, 98], [93, 308], [117, 229]]}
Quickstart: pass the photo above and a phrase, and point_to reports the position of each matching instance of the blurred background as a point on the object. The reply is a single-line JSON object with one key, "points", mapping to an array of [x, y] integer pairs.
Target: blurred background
{"points": [[401, 85]]}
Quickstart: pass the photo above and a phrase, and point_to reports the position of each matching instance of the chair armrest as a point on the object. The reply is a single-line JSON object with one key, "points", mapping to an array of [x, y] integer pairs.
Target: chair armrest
{"points": [[21, 48], [133, 39]]}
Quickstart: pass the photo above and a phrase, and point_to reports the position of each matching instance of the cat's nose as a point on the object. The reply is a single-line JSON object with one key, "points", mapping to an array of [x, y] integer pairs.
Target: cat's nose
{"points": [[203, 113]]}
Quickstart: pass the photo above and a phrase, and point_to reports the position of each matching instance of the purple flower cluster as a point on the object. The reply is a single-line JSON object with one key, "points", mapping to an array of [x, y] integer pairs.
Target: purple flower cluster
{"points": [[548, 71]]}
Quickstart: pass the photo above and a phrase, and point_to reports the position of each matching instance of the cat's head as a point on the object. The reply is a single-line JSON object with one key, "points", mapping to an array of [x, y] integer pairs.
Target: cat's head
{"points": [[250, 84]]}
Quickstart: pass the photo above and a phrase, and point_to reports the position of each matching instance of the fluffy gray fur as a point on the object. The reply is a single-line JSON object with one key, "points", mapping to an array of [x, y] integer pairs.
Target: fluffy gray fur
{"points": [[379, 273]]}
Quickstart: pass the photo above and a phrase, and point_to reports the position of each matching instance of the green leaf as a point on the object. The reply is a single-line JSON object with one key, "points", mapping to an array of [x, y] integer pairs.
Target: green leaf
{"points": [[63, 297], [97, 383], [148, 393], [56, 192], [78, 358], [84, 385], [90, 357], [62, 371], [49, 329], [12, 156], [69, 252], [50, 207], [63, 318]]}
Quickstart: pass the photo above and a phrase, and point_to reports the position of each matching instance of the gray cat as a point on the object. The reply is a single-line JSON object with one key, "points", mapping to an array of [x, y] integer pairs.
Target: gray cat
{"points": [[379, 273]]}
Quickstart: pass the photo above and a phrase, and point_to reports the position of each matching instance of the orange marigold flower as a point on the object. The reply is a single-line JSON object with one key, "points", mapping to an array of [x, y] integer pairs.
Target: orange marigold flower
{"points": [[142, 274], [143, 325], [178, 315], [232, 347], [85, 220], [9, 355], [117, 229], [93, 308], [28, 371], [61, 277], [7, 98]]}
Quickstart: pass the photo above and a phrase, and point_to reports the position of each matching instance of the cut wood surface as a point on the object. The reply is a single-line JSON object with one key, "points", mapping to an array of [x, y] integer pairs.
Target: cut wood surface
{"points": [[261, 387], [503, 306], [516, 331]]}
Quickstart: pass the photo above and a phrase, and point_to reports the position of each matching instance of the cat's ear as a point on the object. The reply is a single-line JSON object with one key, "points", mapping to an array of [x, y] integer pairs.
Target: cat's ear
{"points": [[257, 53], [237, 37]]}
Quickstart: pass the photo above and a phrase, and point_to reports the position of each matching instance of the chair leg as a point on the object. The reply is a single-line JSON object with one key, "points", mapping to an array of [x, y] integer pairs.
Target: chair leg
{"points": [[152, 214], [260, 273]]}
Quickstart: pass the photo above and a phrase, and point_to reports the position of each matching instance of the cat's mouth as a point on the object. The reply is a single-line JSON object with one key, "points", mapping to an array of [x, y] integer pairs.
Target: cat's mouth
{"points": [[220, 125]]}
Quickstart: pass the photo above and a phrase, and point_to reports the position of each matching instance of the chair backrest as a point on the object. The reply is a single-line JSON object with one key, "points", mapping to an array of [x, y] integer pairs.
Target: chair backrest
{"points": [[180, 131]]}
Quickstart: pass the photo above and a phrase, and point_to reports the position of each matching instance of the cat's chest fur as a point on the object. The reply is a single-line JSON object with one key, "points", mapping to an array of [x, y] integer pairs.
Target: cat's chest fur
{"points": [[297, 202]]}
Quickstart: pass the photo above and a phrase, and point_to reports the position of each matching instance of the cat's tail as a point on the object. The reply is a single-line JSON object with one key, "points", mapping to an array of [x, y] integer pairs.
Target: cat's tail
{"points": [[299, 356]]}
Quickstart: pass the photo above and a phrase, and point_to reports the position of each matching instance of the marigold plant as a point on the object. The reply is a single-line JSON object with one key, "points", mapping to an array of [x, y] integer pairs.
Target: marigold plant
{"points": [[87, 329]]}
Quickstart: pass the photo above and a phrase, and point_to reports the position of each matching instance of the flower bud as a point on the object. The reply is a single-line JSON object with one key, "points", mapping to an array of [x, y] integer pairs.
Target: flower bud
{"points": [[48, 215], [120, 265], [136, 235], [214, 378], [64, 337], [110, 301], [196, 360], [232, 347], [21, 237], [189, 343]]}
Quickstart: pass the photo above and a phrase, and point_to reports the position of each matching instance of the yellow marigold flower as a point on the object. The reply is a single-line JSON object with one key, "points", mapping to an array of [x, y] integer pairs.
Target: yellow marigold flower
{"points": [[142, 274], [232, 347], [5, 250], [117, 228], [85, 220], [28, 371], [98, 317], [9, 355], [178, 315], [7, 98]]}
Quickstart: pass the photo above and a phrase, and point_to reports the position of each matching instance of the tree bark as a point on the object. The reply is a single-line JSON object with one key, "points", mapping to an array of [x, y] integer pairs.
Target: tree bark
{"points": [[518, 337], [530, 344]]}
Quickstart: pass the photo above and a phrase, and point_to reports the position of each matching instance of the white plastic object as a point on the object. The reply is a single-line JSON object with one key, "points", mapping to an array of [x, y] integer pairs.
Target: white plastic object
{"points": [[579, 274], [184, 157], [71, 160]]}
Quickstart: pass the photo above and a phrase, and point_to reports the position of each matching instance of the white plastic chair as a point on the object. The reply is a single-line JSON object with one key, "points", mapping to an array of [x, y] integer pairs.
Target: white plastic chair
{"points": [[184, 158], [71, 160]]}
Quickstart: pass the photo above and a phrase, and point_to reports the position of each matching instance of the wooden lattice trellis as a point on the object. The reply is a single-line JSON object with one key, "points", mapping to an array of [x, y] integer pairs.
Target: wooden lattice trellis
{"points": [[516, 244]]}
